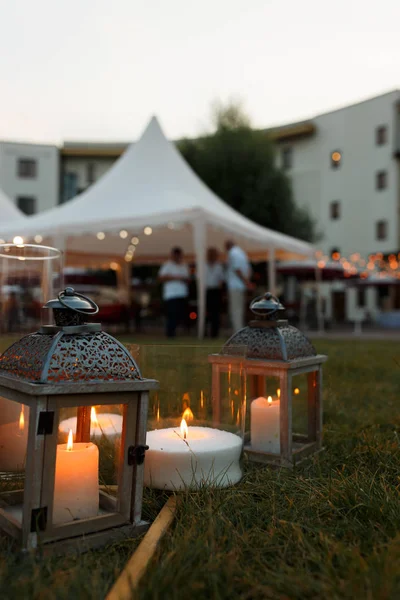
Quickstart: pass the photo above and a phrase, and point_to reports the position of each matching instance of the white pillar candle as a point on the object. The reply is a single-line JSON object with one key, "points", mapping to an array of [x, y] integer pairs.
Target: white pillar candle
{"points": [[13, 443], [265, 425], [76, 486], [207, 456]]}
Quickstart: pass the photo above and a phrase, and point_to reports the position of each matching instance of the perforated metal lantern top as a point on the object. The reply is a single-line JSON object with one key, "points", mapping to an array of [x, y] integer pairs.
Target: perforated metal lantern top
{"points": [[70, 351], [71, 308], [267, 338]]}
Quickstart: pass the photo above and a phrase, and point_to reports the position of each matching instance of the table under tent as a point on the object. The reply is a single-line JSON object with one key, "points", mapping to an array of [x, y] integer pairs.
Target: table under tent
{"points": [[309, 276], [149, 201]]}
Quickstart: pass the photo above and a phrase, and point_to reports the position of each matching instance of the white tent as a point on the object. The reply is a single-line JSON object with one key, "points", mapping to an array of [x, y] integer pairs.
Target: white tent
{"points": [[9, 213], [151, 189]]}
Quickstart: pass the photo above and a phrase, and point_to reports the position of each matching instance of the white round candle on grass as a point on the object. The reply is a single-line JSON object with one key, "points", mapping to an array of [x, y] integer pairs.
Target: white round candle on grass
{"points": [[206, 457], [76, 486], [265, 425]]}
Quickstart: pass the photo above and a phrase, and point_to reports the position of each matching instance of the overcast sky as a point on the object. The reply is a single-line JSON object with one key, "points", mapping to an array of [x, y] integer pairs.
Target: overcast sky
{"points": [[98, 69]]}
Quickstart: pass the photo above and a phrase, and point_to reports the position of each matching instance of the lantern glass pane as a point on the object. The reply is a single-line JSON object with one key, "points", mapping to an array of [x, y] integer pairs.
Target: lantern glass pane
{"points": [[87, 467], [263, 414], [196, 413], [30, 275], [300, 405], [14, 420]]}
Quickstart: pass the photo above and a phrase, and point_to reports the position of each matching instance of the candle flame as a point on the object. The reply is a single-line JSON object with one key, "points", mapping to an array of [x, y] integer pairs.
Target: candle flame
{"points": [[269, 400], [184, 429], [187, 415], [158, 413], [278, 392], [296, 391], [21, 420], [70, 444], [201, 399], [93, 417]]}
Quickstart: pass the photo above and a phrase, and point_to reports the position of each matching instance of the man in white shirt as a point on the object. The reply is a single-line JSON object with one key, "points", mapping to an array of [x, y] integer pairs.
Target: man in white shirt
{"points": [[175, 277], [238, 281], [214, 279]]}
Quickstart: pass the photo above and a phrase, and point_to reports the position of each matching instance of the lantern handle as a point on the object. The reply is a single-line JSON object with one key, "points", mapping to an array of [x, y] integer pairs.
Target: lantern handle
{"points": [[64, 293], [263, 311]]}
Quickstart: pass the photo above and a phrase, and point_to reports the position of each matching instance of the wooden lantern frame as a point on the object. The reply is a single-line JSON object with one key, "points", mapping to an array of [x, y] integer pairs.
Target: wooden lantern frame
{"points": [[294, 448], [122, 513]]}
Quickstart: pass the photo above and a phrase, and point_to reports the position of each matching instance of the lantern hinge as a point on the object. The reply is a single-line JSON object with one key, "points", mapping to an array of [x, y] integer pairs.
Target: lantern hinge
{"points": [[46, 423], [39, 519], [136, 454]]}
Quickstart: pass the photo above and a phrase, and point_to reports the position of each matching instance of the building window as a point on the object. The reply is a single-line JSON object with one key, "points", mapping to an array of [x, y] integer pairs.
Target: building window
{"points": [[27, 204], [336, 159], [361, 297], [335, 210], [70, 187], [335, 253], [381, 135], [287, 157], [27, 168], [381, 230], [381, 180], [90, 173]]}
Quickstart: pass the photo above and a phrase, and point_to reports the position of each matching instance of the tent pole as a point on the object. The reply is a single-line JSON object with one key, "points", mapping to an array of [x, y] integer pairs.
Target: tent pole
{"points": [[272, 270], [199, 234], [303, 307], [320, 316]]}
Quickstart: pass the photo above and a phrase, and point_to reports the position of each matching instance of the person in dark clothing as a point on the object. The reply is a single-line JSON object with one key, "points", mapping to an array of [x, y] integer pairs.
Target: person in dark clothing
{"points": [[214, 279], [174, 274]]}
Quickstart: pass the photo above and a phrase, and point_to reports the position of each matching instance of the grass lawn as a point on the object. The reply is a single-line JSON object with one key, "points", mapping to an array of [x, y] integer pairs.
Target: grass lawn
{"points": [[330, 529]]}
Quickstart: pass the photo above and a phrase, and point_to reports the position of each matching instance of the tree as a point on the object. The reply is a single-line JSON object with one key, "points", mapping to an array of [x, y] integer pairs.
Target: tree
{"points": [[238, 164]]}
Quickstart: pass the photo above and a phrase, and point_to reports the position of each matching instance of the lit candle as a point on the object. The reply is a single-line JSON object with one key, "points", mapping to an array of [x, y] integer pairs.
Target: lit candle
{"points": [[76, 486], [13, 443], [265, 425], [192, 456]]}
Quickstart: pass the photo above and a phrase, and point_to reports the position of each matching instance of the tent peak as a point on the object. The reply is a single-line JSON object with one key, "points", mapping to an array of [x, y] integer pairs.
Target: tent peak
{"points": [[153, 125]]}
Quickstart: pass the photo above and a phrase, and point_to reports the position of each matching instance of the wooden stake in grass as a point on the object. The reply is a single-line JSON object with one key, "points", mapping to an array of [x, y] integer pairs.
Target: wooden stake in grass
{"points": [[129, 579]]}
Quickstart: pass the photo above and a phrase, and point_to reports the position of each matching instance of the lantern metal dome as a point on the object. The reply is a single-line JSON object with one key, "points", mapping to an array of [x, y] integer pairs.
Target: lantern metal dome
{"points": [[268, 338], [71, 351]]}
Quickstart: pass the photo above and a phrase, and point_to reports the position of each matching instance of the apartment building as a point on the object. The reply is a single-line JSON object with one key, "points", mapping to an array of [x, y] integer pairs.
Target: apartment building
{"points": [[29, 175], [344, 167]]}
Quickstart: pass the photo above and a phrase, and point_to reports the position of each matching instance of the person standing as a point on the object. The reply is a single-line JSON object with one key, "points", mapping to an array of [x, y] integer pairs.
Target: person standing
{"points": [[174, 274], [238, 281], [214, 280]]}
